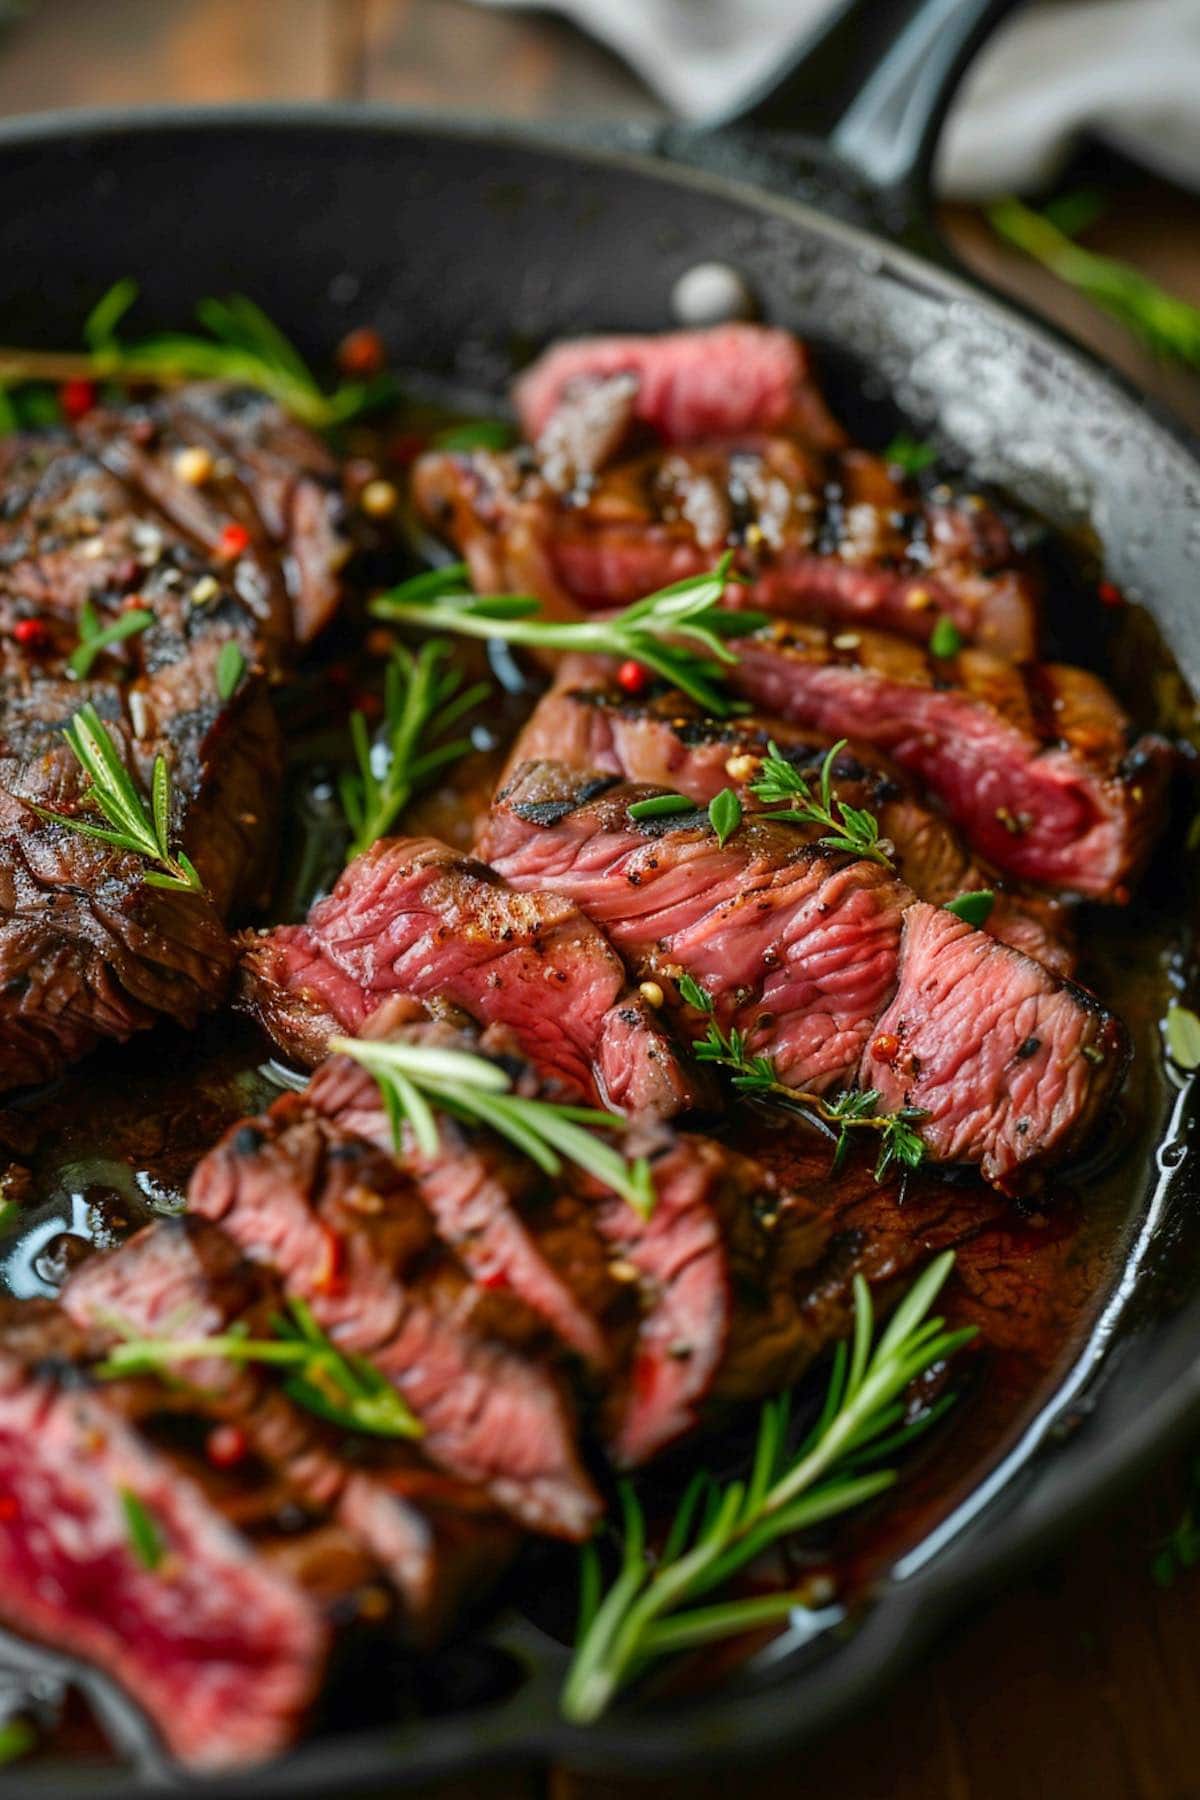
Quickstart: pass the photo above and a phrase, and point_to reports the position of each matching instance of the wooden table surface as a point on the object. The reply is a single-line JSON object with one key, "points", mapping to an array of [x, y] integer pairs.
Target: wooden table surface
{"points": [[1084, 1678]]}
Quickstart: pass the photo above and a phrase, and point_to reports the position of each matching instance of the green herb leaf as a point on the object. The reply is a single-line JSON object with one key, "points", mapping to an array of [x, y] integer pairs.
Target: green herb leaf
{"points": [[424, 699], [145, 1540], [113, 792], [975, 908], [720, 1528], [909, 453], [475, 434], [725, 815], [661, 806], [1183, 1037], [681, 632], [95, 638], [231, 666], [414, 1079], [345, 1389], [849, 828], [945, 639], [1167, 325], [17, 1739], [243, 346]]}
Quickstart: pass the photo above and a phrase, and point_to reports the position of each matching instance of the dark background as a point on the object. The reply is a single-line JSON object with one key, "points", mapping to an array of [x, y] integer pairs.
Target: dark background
{"points": [[1084, 1678]]}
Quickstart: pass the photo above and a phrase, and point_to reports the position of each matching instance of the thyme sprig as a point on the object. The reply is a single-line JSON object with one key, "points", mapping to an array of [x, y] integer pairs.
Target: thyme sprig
{"points": [[679, 631], [719, 1528], [113, 793], [423, 699], [417, 1081], [756, 1078], [243, 345], [95, 638], [1167, 325], [849, 828], [346, 1389]]}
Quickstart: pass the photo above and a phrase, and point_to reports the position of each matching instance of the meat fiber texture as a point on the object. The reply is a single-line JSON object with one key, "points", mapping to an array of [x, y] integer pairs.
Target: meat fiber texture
{"points": [[830, 965], [411, 917]]}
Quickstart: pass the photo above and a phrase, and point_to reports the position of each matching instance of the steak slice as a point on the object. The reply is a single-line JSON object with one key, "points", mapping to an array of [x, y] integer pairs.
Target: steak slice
{"points": [[440, 1541], [225, 1640], [411, 917], [1035, 765], [346, 1231], [815, 537], [661, 737], [719, 382], [678, 1272], [829, 965]]}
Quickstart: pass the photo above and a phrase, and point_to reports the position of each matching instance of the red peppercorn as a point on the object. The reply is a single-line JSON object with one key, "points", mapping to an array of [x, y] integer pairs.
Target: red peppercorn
{"points": [[77, 397], [1110, 594], [886, 1047], [633, 677], [226, 1446], [134, 603], [233, 542], [361, 352], [31, 634]]}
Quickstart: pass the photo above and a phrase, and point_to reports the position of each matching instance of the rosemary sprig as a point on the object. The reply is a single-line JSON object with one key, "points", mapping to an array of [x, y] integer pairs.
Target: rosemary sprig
{"points": [[1168, 326], [423, 699], [242, 345], [657, 632], [756, 1078], [848, 828], [719, 1528], [95, 638], [112, 791], [415, 1081], [348, 1390]]}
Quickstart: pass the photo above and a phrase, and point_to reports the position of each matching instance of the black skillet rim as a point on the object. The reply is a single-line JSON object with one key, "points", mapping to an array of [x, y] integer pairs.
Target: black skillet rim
{"points": [[1088, 1471]]}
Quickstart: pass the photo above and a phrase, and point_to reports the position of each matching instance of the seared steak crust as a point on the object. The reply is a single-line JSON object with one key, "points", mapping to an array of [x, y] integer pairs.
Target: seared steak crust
{"points": [[829, 965], [411, 917], [662, 738], [1034, 764]]}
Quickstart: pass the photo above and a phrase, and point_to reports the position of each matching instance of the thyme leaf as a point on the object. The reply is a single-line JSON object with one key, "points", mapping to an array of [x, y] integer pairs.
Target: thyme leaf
{"points": [[719, 1528], [725, 815], [679, 632], [975, 908], [423, 700], [231, 666], [145, 1539], [849, 828], [909, 454], [416, 1081], [755, 1078], [114, 794]]}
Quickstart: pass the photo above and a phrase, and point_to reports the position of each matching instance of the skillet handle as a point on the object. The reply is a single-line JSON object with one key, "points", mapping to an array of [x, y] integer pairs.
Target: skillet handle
{"points": [[874, 81]]}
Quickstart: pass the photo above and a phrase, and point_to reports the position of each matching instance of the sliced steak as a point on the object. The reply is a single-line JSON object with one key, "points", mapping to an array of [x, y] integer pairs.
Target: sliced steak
{"points": [[816, 537], [669, 1299], [224, 1641], [346, 1231], [720, 382], [440, 1541], [411, 917], [663, 738], [1035, 765], [829, 965]]}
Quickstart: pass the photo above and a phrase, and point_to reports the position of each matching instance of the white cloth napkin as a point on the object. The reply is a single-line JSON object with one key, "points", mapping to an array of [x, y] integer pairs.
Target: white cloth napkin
{"points": [[1125, 70]]}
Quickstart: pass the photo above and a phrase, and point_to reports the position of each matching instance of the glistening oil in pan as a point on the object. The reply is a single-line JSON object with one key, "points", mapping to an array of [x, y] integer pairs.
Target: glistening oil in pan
{"points": [[1044, 1280]]}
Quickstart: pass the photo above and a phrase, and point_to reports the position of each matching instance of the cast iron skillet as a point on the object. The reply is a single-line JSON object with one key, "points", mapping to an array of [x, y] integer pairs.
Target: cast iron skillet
{"points": [[469, 245]]}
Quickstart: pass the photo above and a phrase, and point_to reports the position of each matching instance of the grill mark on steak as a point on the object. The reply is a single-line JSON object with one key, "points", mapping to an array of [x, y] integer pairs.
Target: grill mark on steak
{"points": [[346, 1231], [1066, 811], [662, 738], [87, 950], [439, 1541], [834, 968], [411, 917]]}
